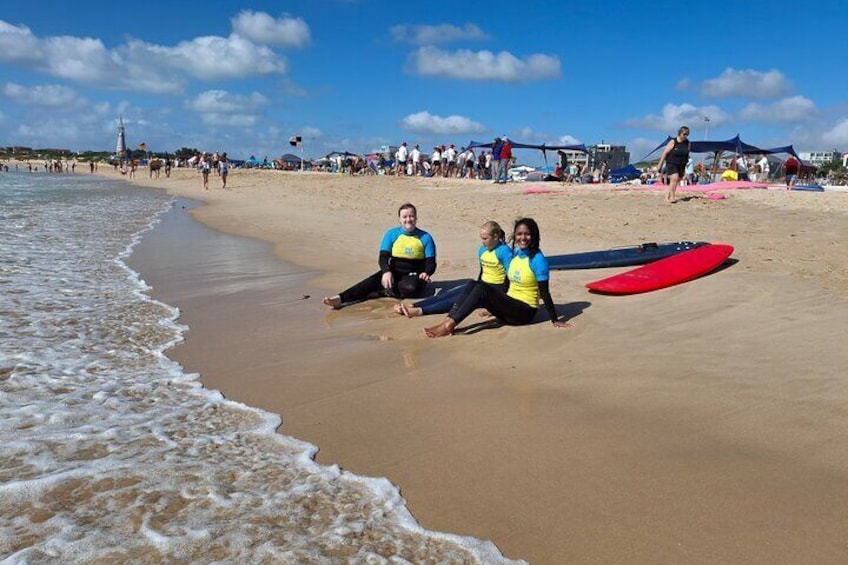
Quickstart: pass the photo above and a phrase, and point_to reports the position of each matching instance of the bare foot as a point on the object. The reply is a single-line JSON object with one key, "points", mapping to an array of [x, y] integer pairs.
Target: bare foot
{"points": [[399, 308], [333, 301], [411, 311], [441, 330], [485, 314]]}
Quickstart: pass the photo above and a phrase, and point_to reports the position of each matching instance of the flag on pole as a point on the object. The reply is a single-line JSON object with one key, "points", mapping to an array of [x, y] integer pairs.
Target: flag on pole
{"points": [[295, 140], [142, 146]]}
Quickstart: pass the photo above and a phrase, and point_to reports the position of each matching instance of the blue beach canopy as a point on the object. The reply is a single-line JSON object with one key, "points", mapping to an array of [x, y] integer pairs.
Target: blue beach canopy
{"points": [[734, 145]]}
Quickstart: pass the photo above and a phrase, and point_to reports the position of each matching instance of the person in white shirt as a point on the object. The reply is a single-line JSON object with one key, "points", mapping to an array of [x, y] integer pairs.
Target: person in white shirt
{"points": [[415, 157], [400, 158], [436, 160], [764, 169], [742, 167], [449, 157]]}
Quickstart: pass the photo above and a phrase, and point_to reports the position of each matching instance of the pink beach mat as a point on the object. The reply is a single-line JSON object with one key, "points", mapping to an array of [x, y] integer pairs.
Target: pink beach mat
{"points": [[711, 187]]}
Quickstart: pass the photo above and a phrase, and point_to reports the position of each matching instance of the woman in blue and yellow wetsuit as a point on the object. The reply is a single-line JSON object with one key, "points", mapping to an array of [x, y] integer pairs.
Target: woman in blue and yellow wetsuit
{"points": [[528, 281], [407, 260], [494, 256]]}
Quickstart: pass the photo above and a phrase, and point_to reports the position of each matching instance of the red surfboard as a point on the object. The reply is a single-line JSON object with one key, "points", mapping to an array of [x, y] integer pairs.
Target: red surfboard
{"points": [[666, 272]]}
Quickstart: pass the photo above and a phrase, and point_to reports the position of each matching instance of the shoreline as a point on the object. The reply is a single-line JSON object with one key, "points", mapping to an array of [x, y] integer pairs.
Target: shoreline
{"points": [[591, 446]]}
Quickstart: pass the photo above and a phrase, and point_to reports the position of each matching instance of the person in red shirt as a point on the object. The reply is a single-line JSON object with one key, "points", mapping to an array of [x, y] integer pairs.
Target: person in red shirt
{"points": [[791, 167], [506, 157]]}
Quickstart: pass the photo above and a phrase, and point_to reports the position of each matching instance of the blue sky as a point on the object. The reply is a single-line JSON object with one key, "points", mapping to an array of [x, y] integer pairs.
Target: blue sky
{"points": [[244, 77]]}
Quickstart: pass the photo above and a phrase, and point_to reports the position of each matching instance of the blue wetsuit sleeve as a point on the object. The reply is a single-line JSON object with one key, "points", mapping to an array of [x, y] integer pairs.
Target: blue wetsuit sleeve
{"points": [[389, 239], [539, 264], [505, 256]]}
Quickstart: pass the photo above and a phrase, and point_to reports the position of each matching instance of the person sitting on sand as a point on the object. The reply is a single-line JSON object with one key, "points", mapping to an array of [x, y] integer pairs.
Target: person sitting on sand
{"points": [[494, 256], [528, 281], [407, 260]]}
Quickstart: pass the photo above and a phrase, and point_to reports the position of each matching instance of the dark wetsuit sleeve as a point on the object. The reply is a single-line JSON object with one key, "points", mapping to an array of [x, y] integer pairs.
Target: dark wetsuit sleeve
{"points": [[545, 293], [430, 265], [383, 261]]}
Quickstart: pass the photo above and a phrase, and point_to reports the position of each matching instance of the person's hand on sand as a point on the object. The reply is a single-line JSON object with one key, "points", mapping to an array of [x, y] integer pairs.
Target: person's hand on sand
{"points": [[388, 280], [565, 325], [424, 277]]}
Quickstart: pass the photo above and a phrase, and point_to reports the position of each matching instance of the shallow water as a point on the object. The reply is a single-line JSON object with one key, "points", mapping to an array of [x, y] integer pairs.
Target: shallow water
{"points": [[110, 452]]}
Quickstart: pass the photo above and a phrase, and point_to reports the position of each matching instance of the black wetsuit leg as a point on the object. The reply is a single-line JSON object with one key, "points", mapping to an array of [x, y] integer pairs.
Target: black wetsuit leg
{"points": [[404, 286], [505, 308], [362, 289]]}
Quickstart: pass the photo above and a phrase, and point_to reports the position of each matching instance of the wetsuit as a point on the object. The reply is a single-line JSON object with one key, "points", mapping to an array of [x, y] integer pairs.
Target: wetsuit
{"points": [[493, 266], [405, 255], [528, 281], [677, 158]]}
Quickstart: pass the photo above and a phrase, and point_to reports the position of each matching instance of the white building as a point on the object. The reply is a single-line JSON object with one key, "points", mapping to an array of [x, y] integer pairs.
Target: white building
{"points": [[817, 158]]}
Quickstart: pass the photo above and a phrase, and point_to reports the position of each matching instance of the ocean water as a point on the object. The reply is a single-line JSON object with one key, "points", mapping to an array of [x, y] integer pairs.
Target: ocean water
{"points": [[110, 453]]}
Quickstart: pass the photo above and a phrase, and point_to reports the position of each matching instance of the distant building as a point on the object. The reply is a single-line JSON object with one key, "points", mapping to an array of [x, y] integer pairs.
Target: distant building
{"points": [[817, 158], [577, 157], [615, 156]]}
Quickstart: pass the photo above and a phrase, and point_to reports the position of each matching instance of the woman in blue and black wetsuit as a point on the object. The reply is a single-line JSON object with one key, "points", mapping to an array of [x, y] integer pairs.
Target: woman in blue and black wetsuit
{"points": [[494, 256], [407, 260], [528, 282]]}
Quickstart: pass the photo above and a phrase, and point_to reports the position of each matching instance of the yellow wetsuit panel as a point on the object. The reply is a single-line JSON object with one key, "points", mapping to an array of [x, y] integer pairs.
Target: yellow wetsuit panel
{"points": [[408, 247], [493, 270], [522, 281]]}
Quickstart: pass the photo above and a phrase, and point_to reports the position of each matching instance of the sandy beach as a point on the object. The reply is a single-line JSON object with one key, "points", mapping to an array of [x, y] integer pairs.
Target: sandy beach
{"points": [[704, 423]]}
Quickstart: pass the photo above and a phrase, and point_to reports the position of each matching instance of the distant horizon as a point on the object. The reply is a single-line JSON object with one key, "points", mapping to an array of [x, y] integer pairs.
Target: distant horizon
{"points": [[348, 75]]}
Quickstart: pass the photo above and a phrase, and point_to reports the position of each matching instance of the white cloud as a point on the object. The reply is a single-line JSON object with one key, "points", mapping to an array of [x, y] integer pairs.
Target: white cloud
{"points": [[234, 120], [837, 135], [673, 116], [435, 34], [483, 65], [209, 57], [568, 140], [49, 95], [310, 132], [747, 84], [223, 101], [792, 109], [639, 147], [424, 122], [18, 45], [138, 65], [262, 28], [221, 108], [683, 84]]}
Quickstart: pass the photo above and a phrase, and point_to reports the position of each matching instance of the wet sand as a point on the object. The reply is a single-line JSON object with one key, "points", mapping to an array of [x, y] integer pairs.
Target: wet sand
{"points": [[704, 423]]}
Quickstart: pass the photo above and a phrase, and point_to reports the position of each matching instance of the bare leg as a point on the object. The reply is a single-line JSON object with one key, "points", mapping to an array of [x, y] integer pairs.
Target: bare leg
{"points": [[441, 330], [333, 301]]}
